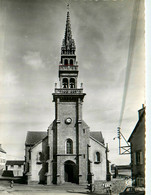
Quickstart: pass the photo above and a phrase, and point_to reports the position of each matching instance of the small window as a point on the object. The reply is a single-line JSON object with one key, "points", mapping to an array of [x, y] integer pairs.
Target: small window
{"points": [[69, 146], [83, 130], [97, 157], [39, 158], [19, 166], [12, 166], [139, 158]]}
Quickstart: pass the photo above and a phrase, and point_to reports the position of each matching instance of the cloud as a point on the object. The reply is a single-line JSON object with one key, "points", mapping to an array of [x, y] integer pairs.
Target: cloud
{"points": [[34, 60], [9, 79]]}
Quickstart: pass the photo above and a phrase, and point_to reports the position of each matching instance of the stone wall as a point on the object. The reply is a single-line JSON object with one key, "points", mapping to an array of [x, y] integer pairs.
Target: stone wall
{"points": [[98, 169], [36, 165], [2, 161], [138, 146], [118, 185], [78, 132]]}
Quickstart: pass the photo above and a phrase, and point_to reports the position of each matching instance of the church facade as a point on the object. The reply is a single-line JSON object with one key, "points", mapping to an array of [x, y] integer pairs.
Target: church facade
{"points": [[67, 151]]}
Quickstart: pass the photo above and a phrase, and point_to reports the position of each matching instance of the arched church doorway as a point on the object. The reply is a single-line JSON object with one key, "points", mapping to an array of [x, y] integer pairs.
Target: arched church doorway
{"points": [[70, 171]]}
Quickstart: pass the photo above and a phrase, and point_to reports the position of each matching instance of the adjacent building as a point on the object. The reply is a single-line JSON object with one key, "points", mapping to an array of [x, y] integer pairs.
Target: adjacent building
{"points": [[16, 166], [68, 151], [137, 141], [36, 157], [2, 159], [121, 171]]}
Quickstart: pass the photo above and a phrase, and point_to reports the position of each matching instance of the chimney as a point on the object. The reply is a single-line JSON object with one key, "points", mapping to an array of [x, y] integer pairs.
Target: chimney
{"points": [[140, 112]]}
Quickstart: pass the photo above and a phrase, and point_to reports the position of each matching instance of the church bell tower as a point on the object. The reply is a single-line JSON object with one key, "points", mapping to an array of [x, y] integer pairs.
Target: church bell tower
{"points": [[70, 132]]}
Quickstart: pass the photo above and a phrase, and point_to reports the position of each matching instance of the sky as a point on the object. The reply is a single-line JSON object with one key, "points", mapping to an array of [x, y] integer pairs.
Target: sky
{"points": [[148, 93], [30, 46]]}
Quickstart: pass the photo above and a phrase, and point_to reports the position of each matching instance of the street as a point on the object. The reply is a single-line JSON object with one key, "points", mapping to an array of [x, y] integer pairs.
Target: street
{"points": [[42, 189]]}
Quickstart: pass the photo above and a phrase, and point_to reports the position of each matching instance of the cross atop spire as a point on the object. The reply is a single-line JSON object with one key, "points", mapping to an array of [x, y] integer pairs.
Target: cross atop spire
{"points": [[68, 6], [68, 44]]}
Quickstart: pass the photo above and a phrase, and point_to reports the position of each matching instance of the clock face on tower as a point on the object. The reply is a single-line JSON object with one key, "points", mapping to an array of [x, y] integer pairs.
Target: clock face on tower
{"points": [[68, 120]]}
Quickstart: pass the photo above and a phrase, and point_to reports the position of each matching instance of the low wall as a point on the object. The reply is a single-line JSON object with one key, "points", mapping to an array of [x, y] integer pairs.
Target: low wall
{"points": [[118, 185]]}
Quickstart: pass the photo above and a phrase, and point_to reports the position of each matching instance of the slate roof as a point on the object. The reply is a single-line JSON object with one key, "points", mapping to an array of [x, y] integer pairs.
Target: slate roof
{"points": [[1, 149], [34, 136], [8, 174], [137, 124], [97, 135], [15, 162], [123, 167]]}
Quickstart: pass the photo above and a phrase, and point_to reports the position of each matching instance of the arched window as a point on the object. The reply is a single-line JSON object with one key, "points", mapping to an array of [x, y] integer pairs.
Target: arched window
{"points": [[66, 62], [71, 62], [69, 146], [97, 157], [72, 83], [39, 157], [65, 83]]}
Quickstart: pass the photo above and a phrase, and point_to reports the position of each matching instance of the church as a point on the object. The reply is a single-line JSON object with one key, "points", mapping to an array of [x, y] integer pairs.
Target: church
{"points": [[68, 151]]}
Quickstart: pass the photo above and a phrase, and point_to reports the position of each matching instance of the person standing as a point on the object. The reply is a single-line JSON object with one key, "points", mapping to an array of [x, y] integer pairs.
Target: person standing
{"points": [[110, 190], [11, 184]]}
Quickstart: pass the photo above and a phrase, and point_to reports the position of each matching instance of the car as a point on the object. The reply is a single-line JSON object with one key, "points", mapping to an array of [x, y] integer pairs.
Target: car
{"points": [[131, 191]]}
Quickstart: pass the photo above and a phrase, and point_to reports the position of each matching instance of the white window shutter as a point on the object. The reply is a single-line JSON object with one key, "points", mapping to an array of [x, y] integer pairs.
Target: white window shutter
{"points": [[141, 158]]}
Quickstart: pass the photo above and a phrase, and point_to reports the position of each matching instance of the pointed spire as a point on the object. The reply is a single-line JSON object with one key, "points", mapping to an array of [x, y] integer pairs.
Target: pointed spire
{"points": [[68, 44]]}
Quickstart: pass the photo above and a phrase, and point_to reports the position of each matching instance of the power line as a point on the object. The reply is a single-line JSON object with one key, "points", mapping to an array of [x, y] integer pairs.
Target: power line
{"points": [[130, 56], [126, 148]]}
